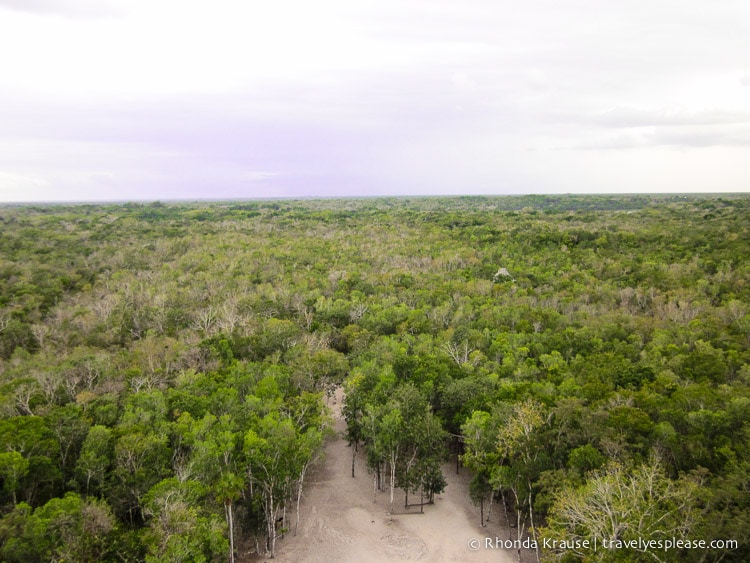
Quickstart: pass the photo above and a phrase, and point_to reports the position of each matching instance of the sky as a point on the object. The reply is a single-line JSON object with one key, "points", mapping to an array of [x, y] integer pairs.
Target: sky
{"points": [[227, 99]]}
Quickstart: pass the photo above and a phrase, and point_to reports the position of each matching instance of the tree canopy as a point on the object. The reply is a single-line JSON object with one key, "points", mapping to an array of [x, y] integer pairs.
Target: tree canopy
{"points": [[164, 369]]}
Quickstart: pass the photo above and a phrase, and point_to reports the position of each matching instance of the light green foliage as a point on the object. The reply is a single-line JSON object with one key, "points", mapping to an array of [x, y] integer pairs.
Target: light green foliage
{"points": [[278, 455], [624, 504], [178, 531]]}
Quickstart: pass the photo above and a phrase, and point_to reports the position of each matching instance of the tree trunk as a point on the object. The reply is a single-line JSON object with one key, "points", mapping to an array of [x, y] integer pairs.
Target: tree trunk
{"points": [[271, 526], [533, 529], [505, 511], [230, 521], [299, 496], [354, 455], [393, 483], [283, 519], [489, 511], [519, 527]]}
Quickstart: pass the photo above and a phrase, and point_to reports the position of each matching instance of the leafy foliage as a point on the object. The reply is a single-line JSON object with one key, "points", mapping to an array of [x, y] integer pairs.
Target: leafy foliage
{"points": [[185, 351]]}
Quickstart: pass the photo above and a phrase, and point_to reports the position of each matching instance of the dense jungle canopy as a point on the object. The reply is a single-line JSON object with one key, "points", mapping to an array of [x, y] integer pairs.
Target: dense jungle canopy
{"points": [[164, 367]]}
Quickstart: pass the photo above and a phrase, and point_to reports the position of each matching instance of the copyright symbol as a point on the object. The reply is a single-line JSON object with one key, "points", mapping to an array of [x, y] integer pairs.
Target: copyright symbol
{"points": [[474, 544]]}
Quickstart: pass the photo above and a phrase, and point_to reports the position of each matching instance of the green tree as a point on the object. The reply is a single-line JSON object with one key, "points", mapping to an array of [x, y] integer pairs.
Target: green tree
{"points": [[95, 459], [270, 452], [140, 461], [480, 456], [64, 529], [178, 531], [214, 460], [518, 447], [13, 468], [387, 440]]}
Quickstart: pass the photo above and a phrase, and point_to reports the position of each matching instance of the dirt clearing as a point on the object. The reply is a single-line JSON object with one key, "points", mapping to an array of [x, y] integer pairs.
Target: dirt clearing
{"points": [[340, 522]]}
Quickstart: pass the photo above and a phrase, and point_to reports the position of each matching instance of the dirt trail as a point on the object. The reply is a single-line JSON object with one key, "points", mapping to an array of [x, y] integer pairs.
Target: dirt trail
{"points": [[340, 521]]}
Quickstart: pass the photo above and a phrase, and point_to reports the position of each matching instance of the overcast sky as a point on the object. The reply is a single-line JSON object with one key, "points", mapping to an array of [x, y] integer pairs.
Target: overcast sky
{"points": [[181, 99]]}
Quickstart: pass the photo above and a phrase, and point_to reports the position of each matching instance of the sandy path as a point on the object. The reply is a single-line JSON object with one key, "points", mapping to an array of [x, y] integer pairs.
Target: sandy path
{"points": [[340, 521]]}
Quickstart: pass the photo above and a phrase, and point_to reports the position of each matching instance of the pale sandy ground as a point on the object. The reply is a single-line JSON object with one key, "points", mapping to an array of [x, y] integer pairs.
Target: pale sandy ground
{"points": [[340, 522]]}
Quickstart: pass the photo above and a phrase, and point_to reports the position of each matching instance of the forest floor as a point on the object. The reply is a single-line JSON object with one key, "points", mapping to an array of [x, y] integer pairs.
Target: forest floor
{"points": [[340, 522]]}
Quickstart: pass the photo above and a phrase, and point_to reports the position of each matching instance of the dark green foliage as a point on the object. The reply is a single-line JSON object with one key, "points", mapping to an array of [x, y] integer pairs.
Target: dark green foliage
{"points": [[64, 529]]}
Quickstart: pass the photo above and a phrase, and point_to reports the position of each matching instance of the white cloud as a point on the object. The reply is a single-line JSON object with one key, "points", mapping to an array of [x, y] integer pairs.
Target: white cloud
{"points": [[66, 8], [669, 116], [12, 184]]}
